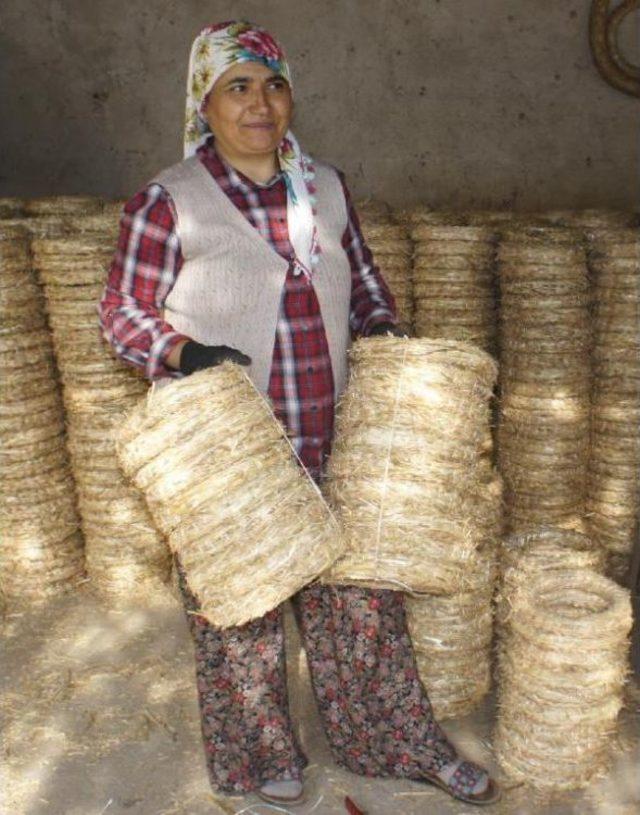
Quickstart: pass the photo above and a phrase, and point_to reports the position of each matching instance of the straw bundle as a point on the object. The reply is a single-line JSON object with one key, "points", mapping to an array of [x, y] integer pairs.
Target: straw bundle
{"points": [[410, 471], [11, 208], [544, 376], [613, 485], [40, 545], [61, 205], [542, 550], [589, 218], [452, 640], [453, 284], [391, 249], [249, 527], [562, 676], [123, 548], [421, 215]]}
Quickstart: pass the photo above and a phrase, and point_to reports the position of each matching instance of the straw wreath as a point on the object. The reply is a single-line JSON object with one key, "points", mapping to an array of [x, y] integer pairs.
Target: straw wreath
{"points": [[563, 669], [12, 208], [453, 281], [60, 205], [124, 551], [613, 482], [452, 640], [542, 435], [391, 249], [249, 527], [409, 474], [40, 545]]}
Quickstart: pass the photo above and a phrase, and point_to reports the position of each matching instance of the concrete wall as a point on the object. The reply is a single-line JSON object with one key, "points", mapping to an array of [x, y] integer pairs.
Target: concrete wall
{"points": [[452, 102]]}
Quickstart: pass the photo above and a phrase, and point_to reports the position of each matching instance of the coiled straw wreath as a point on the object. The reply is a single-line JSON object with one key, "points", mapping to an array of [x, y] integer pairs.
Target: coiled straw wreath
{"points": [[562, 676], [410, 473], [249, 526]]}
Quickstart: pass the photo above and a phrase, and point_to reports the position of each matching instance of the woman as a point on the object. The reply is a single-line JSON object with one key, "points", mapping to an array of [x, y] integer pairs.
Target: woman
{"points": [[251, 252]]}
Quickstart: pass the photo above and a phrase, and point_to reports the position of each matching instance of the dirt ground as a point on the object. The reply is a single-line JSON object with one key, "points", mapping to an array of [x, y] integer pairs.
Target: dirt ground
{"points": [[100, 716]]}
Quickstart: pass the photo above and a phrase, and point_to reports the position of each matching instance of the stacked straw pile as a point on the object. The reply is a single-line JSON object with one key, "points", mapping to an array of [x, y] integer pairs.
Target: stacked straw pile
{"points": [[40, 542], [614, 465], [544, 376], [249, 526], [11, 208], [542, 550], [589, 218], [410, 472], [453, 273], [562, 674], [391, 249], [123, 548], [60, 206], [452, 638], [421, 215]]}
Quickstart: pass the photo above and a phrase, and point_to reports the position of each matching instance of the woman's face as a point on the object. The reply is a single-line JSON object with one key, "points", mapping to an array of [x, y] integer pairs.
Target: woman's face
{"points": [[249, 110]]}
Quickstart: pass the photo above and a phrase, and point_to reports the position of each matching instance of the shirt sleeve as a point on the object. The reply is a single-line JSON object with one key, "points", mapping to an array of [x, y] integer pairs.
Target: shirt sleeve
{"points": [[371, 300], [146, 264]]}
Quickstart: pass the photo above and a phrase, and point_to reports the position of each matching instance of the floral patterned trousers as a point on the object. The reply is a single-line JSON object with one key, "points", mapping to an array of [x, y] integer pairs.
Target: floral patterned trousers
{"points": [[375, 712]]}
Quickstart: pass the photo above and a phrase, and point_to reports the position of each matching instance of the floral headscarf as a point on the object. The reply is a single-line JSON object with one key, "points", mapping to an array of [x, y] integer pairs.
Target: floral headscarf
{"points": [[214, 51]]}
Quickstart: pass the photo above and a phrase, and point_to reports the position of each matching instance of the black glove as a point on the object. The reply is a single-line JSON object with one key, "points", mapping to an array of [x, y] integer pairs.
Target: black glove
{"points": [[387, 328], [196, 357]]}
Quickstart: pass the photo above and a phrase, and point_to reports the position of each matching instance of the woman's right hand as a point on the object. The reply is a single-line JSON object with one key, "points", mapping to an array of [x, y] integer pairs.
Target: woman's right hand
{"points": [[197, 357]]}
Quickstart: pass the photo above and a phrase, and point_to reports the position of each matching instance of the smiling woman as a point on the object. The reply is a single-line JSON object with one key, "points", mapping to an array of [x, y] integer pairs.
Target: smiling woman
{"points": [[251, 251]]}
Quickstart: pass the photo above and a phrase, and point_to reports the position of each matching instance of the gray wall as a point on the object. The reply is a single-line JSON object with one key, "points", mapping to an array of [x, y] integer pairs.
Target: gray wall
{"points": [[452, 102]]}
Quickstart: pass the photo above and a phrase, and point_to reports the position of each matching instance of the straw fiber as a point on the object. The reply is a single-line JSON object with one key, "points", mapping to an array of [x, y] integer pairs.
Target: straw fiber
{"points": [[40, 545], [542, 435], [249, 526], [562, 673], [452, 640], [410, 473]]}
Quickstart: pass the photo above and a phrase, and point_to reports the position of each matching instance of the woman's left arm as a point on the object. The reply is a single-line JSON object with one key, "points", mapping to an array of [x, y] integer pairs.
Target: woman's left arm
{"points": [[372, 303]]}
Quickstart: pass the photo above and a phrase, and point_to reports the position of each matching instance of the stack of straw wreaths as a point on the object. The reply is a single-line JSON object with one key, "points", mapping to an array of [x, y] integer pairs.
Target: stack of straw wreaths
{"points": [[561, 678], [391, 249], [542, 550], [544, 376], [589, 218], [410, 473], [40, 544], [613, 485], [123, 547], [250, 528], [452, 640], [12, 208], [453, 284]]}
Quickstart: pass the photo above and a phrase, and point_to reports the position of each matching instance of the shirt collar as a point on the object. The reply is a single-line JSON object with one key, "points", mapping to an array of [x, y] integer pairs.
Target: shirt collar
{"points": [[237, 180]]}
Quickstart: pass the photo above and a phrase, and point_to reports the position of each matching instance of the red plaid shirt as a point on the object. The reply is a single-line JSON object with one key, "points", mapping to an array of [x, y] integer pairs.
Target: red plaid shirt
{"points": [[148, 260]]}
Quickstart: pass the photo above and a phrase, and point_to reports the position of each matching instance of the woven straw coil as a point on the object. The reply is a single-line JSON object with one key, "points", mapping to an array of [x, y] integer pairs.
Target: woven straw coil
{"points": [[249, 527], [407, 474], [562, 674]]}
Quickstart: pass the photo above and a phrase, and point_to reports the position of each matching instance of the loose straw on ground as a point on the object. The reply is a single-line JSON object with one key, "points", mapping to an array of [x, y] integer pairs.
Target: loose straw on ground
{"points": [[562, 676], [452, 638], [391, 249], [249, 526], [613, 483], [410, 473], [544, 376], [124, 550], [41, 549]]}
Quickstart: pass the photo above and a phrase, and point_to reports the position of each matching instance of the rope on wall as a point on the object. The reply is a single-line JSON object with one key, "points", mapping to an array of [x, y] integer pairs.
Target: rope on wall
{"points": [[604, 25]]}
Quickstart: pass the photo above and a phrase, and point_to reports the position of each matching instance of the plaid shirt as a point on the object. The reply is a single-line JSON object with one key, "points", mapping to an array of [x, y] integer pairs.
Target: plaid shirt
{"points": [[148, 260]]}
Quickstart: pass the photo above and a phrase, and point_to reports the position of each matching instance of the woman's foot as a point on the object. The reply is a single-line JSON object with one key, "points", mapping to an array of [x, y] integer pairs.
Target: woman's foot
{"points": [[466, 782], [282, 792]]}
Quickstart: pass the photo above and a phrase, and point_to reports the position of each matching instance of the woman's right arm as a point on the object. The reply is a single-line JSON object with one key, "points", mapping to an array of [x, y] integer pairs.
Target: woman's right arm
{"points": [[146, 264]]}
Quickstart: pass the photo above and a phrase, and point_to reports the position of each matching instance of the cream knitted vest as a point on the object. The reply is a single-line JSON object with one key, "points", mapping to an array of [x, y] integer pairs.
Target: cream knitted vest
{"points": [[230, 286]]}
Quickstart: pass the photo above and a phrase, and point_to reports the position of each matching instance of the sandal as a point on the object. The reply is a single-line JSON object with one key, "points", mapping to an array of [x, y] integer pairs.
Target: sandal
{"points": [[461, 782], [274, 792]]}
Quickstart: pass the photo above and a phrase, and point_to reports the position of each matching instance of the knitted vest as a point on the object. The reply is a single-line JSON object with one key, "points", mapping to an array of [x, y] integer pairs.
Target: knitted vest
{"points": [[230, 286]]}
